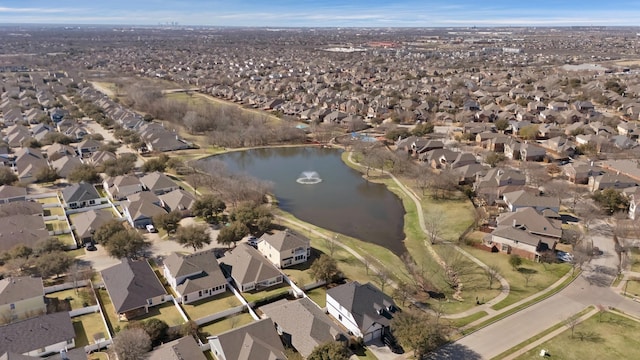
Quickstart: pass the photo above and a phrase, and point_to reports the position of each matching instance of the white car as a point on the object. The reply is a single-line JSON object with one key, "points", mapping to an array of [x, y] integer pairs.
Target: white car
{"points": [[253, 241], [151, 228]]}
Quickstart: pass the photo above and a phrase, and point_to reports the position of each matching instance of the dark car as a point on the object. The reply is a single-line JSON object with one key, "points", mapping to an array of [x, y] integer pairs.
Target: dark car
{"points": [[91, 247]]}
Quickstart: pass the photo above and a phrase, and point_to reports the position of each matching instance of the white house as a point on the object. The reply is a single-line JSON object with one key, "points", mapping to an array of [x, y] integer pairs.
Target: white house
{"points": [[194, 277], [363, 309], [39, 336], [285, 248]]}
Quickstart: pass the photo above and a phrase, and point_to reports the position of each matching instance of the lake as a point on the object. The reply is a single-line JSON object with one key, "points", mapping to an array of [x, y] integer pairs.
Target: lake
{"points": [[343, 201]]}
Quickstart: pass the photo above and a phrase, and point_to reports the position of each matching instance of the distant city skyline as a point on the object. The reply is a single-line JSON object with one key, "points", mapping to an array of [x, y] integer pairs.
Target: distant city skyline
{"points": [[324, 13]]}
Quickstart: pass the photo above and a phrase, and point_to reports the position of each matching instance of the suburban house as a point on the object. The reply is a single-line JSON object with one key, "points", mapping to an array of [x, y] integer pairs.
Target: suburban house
{"points": [[580, 173], [133, 288], [64, 165], [21, 297], [80, 195], [99, 157], [141, 208], [87, 222], [255, 341], [177, 200], [184, 348], [285, 248], [363, 309], [119, 187], [29, 162], [158, 183], [56, 151], [10, 193], [39, 336], [87, 147], [525, 233], [194, 277], [610, 181], [302, 324], [522, 198], [249, 269], [21, 229]]}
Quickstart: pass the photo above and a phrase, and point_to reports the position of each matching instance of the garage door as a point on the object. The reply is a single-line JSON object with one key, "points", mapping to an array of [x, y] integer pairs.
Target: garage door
{"points": [[373, 335]]}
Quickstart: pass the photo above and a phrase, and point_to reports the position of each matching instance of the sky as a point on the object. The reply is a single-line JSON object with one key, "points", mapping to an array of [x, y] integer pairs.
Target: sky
{"points": [[325, 13]]}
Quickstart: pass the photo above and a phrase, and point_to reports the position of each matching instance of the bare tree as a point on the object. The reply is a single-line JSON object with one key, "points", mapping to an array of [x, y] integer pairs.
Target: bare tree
{"points": [[571, 322], [527, 275], [457, 266], [433, 222], [492, 272], [132, 344], [368, 262], [332, 244], [403, 291], [383, 278]]}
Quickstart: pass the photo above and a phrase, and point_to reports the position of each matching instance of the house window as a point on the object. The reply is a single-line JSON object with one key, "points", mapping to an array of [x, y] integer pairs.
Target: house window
{"points": [[186, 298], [199, 293], [150, 301], [12, 306], [70, 341], [339, 317], [505, 248]]}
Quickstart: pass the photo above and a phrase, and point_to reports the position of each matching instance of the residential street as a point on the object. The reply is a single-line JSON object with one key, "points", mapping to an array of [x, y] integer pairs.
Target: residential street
{"points": [[588, 289]]}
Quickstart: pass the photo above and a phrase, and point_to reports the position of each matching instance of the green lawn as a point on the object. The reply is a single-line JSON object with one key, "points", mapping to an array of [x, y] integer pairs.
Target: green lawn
{"points": [[98, 356], [351, 267], [56, 225], [635, 259], [86, 326], [66, 239], [75, 301], [166, 312], [632, 288], [267, 293], [319, 296], [606, 336], [212, 305], [544, 275], [226, 324]]}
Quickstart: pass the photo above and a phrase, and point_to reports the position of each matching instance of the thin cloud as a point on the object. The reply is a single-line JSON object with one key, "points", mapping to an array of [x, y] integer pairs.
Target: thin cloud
{"points": [[31, 10]]}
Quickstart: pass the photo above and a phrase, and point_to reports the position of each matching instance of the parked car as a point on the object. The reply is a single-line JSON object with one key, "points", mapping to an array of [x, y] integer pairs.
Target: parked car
{"points": [[90, 246], [253, 241], [151, 228], [564, 256]]}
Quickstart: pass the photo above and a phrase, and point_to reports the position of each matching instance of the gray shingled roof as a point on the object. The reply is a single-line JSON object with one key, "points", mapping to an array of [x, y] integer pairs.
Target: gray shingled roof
{"points": [[285, 240], [8, 191], [80, 192], [89, 221], [203, 263], [157, 181], [178, 200], [363, 302], [255, 341], [131, 283], [36, 333], [14, 289], [184, 348], [248, 265], [21, 229], [305, 322]]}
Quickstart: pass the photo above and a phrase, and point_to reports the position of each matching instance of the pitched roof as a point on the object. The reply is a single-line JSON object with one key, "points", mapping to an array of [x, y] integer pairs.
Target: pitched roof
{"points": [[14, 289], [255, 341], [178, 199], [36, 333], [527, 198], [248, 265], [88, 221], [21, 229], [529, 219], [366, 303], [285, 240], [21, 208], [184, 348], [203, 267], [305, 322], [8, 191], [157, 181], [80, 192], [131, 283], [144, 209]]}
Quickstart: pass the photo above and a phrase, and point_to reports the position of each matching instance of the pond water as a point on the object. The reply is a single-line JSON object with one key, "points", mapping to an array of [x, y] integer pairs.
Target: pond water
{"points": [[315, 186]]}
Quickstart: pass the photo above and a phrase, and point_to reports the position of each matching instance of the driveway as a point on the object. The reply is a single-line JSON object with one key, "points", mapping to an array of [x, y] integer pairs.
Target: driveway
{"points": [[160, 248]]}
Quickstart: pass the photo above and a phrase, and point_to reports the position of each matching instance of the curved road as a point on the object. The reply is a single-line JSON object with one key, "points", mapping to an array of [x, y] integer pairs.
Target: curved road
{"points": [[590, 288]]}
